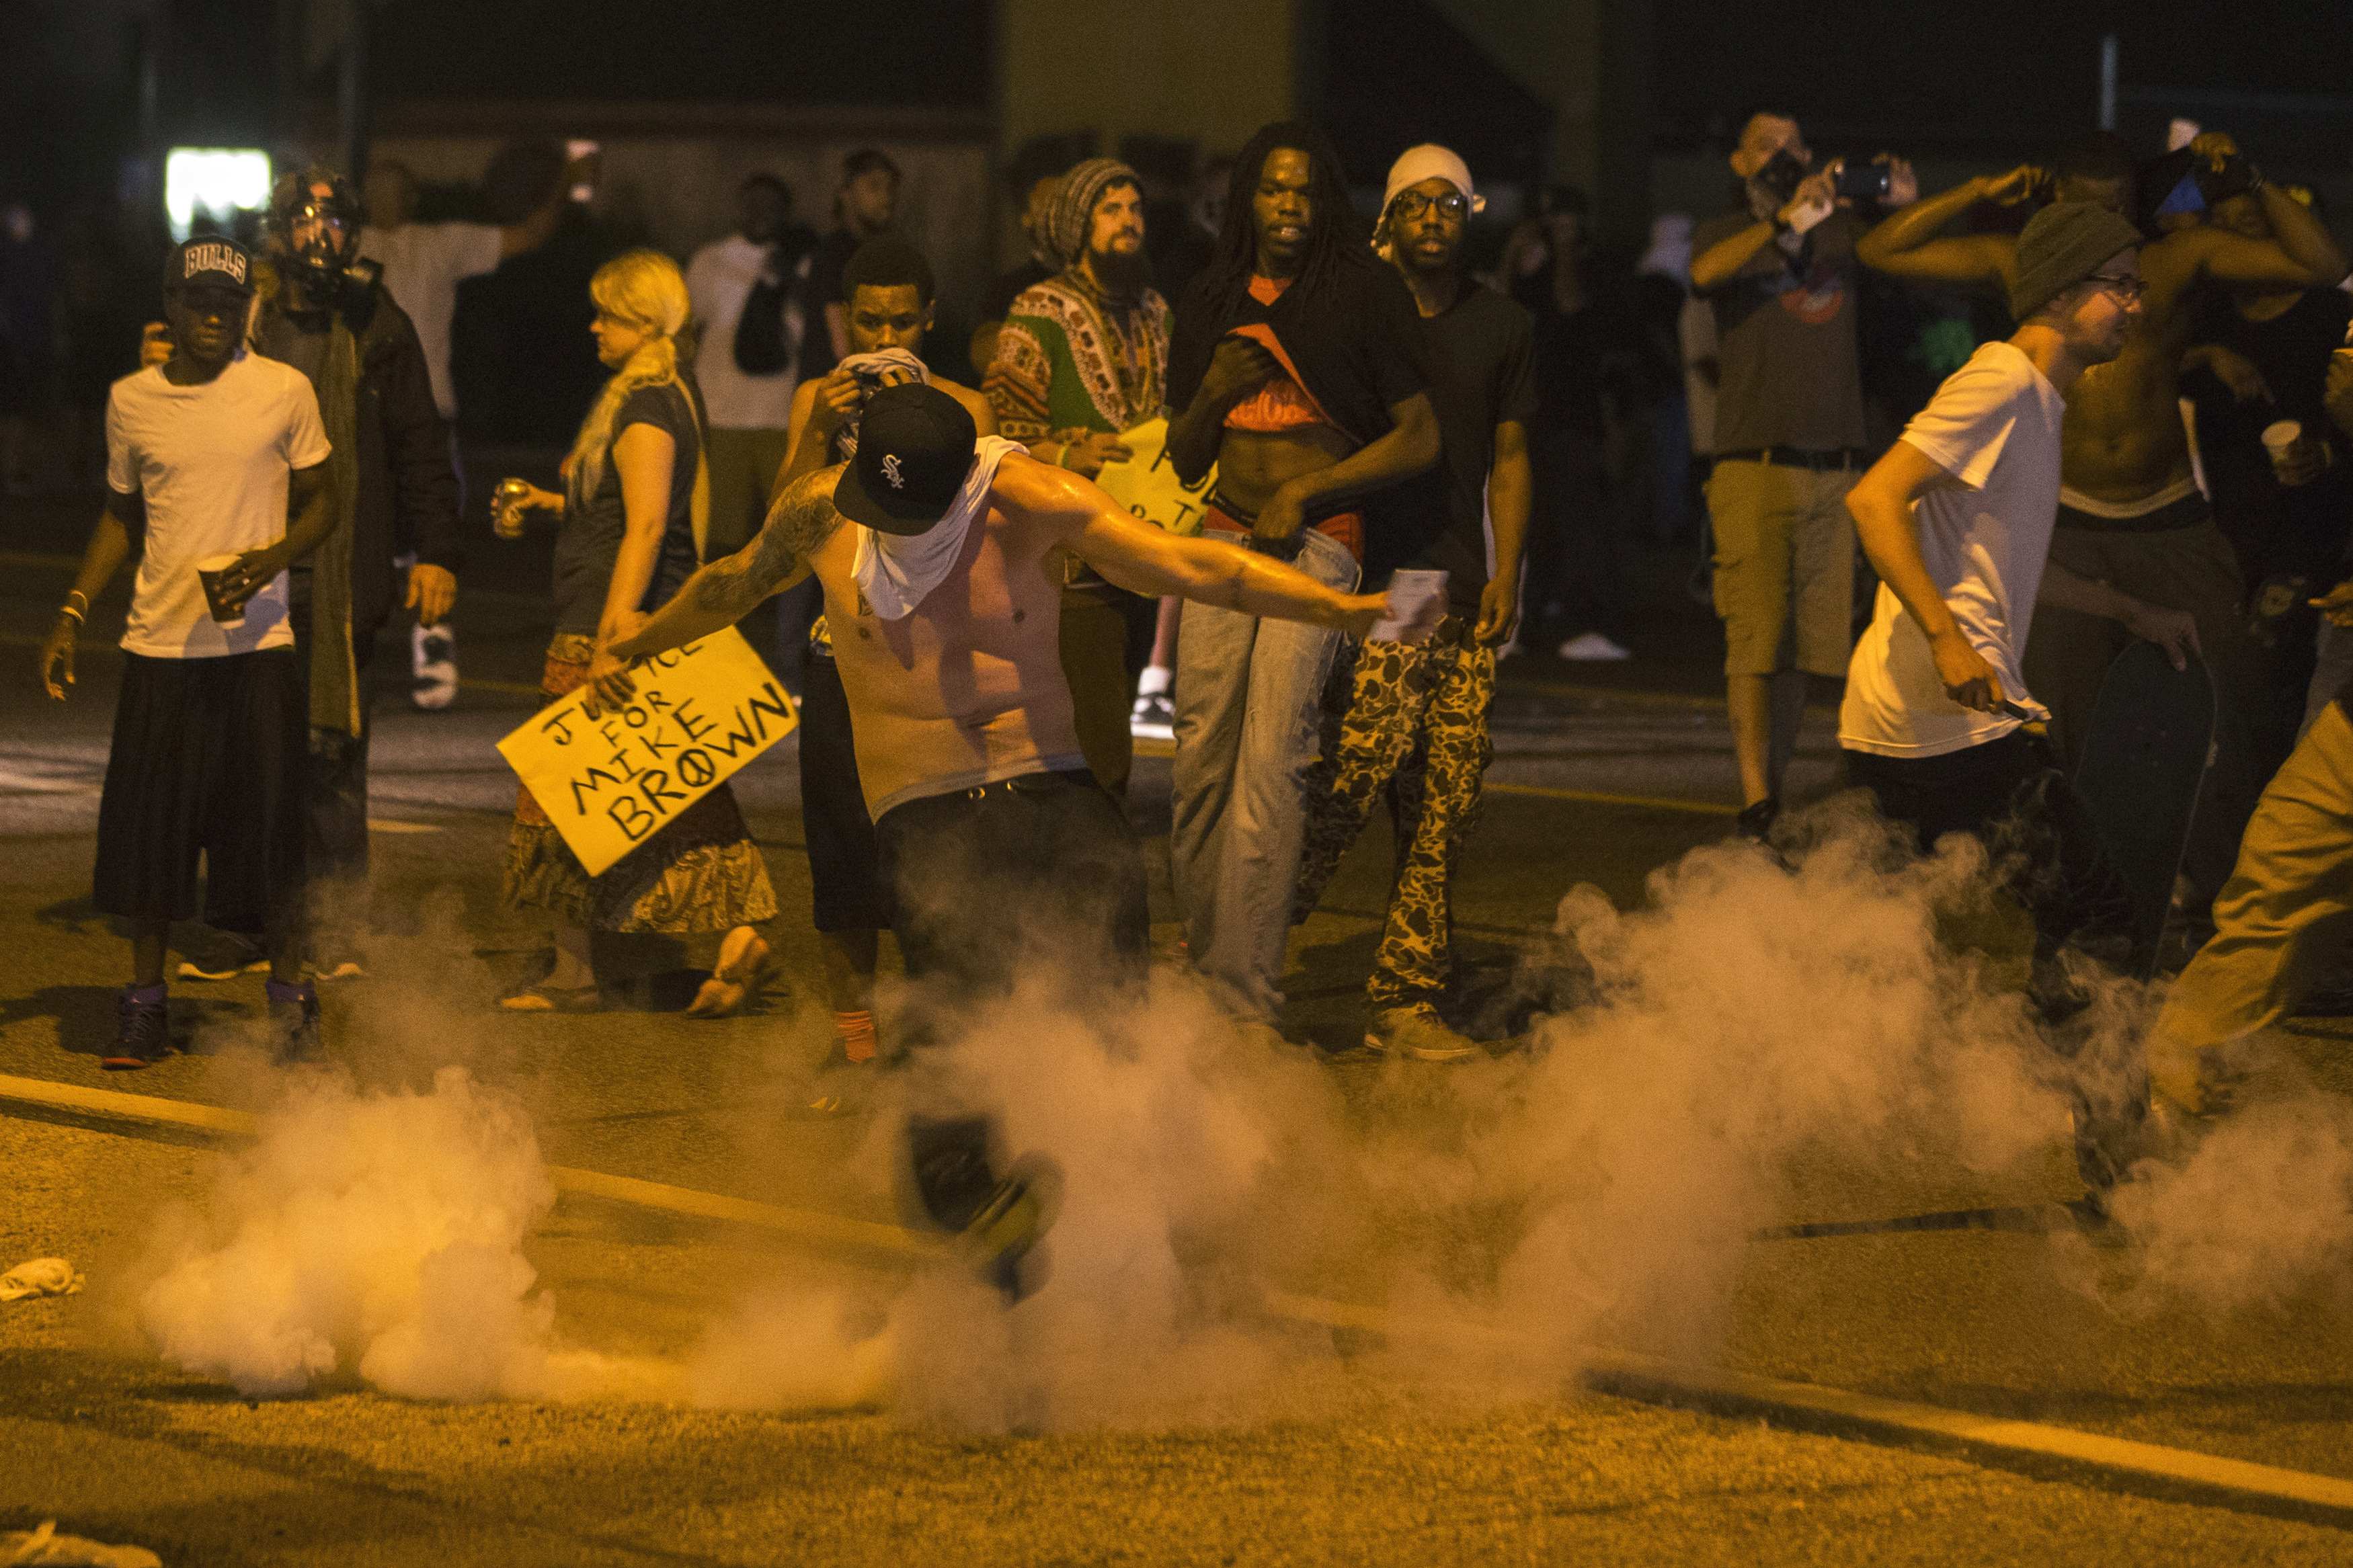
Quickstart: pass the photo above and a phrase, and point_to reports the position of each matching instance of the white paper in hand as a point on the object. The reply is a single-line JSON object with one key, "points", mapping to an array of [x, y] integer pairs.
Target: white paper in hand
{"points": [[1409, 590]]}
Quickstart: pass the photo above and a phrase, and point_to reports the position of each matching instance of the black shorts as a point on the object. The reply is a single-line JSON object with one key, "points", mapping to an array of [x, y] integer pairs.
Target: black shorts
{"points": [[207, 760], [1035, 878], [844, 881]]}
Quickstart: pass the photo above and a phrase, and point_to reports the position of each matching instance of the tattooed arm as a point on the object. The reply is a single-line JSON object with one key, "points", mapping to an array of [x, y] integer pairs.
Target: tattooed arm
{"points": [[723, 592]]}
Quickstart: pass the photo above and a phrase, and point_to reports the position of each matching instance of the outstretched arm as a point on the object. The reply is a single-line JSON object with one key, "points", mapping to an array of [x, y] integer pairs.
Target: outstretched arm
{"points": [[723, 592], [1147, 560], [1911, 244]]}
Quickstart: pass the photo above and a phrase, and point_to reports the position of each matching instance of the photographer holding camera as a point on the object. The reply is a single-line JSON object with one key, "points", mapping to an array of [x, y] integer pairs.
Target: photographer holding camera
{"points": [[1780, 274]]}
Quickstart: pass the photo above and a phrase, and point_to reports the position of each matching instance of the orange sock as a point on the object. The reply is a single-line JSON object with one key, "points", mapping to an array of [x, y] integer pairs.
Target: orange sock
{"points": [[856, 1033]]}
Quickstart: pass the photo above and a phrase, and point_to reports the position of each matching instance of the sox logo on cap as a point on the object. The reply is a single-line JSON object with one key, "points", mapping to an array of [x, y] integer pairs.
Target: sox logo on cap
{"points": [[891, 472]]}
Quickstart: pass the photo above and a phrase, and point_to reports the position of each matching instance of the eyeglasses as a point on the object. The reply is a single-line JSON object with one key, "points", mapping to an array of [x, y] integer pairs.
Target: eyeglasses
{"points": [[2123, 287], [1410, 205]]}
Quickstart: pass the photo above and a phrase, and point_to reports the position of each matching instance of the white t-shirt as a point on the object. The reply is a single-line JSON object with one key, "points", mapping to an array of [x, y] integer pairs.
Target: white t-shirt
{"points": [[423, 264], [718, 280], [212, 461], [1994, 426]]}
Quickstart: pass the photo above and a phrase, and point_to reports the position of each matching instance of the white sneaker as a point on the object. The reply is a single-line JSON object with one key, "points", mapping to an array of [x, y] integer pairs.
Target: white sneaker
{"points": [[1418, 1031], [1592, 645], [433, 656]]}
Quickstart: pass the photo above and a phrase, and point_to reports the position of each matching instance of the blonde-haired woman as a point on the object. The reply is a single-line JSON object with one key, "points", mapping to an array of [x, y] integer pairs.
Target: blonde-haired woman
{"points": [[633, 509]]}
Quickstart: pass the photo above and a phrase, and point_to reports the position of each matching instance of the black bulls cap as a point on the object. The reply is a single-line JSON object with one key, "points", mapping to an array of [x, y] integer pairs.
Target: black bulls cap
{"points": [[914, 447]]}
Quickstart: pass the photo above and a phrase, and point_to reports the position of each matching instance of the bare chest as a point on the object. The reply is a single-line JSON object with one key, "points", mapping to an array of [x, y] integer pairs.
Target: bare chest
{"points": [[991, 622]]}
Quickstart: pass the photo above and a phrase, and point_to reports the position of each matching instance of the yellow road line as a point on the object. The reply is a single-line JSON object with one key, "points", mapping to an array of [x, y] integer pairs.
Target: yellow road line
{"points": [[815, 1229], [1603, 797], [2031, 1445]]}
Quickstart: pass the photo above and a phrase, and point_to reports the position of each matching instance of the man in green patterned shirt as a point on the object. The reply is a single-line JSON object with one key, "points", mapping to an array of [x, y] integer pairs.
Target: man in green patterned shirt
{"points": [[1082, 357]]}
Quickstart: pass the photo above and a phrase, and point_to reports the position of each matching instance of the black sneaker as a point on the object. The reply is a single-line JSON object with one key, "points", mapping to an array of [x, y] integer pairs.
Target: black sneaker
{"points": [[142, 1031], [294, 1015], [1756, 822], [999, 1242]]}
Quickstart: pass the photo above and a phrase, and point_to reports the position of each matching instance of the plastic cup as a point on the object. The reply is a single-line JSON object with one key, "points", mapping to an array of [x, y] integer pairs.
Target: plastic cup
{"points": [[209, 573], [2280, 437]]}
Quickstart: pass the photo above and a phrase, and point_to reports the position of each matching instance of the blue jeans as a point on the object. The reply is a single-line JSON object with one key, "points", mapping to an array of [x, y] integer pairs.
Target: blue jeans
{"points": [[1247, 697]]}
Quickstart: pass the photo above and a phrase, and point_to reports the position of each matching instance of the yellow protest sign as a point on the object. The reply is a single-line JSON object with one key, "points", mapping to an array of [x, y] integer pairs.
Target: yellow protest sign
{"points": [[1147, 483], [700, 712]]}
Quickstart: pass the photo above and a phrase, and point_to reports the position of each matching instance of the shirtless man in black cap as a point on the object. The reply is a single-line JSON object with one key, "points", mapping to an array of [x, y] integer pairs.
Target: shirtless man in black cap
{"points": [[940, 554]]}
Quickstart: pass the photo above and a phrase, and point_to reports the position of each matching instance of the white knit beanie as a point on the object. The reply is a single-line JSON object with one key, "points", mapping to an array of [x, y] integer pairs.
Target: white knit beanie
{"points": [[1430, 162]]}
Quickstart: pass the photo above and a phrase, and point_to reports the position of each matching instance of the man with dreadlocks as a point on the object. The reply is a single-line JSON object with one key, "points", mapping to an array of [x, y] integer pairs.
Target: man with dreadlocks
{"points": [[325, 311], [1292, 370], [1083, 357]]}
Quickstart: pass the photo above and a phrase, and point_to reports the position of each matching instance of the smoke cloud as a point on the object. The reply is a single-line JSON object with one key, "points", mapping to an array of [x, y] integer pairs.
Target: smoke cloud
{"points": [[1758, 1042]]}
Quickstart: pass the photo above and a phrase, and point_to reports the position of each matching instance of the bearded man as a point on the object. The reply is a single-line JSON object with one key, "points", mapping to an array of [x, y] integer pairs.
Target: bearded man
{"points": [[1082, 357]]}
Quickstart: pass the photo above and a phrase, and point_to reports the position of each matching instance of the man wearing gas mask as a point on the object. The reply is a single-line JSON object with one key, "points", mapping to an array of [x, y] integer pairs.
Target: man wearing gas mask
{"points": [[322, 309], [1779, 271]]}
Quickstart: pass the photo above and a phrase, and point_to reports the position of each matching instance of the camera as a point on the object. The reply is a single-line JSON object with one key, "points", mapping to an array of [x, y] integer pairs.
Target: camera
{"points": [[1781, 177], [1864, 181]]}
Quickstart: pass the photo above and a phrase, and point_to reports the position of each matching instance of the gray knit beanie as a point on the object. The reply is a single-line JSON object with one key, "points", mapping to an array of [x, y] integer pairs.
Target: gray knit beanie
{"points": [[2062, 245]]}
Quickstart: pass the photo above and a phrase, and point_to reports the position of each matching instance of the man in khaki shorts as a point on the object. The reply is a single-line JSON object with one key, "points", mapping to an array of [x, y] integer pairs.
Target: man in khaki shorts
{"points": [[1780, 273]]}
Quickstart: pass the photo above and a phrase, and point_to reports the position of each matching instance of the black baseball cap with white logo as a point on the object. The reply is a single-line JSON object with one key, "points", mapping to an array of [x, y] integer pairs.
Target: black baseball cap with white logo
{"points": [[209, 261], [914, 447]]}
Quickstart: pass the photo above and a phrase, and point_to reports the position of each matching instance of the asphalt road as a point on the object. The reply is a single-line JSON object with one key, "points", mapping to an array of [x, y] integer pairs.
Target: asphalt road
{"points": [[1318, 1449]]}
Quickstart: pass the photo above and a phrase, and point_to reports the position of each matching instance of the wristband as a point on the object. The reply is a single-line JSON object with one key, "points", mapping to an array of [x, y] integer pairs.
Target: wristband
{"points": [[70, 612], [78, 593]]}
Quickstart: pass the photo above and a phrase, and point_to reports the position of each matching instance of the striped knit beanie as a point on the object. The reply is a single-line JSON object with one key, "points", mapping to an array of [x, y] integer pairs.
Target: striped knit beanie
{"points": [[1072, 214]]}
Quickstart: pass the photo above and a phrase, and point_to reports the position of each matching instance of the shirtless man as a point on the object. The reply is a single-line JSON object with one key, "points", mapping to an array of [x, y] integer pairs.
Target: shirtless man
{"points": [[2135, 553], [940, 555]]}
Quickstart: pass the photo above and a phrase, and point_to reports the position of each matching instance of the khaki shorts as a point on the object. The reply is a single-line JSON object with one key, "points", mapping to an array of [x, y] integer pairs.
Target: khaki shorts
{"points": [[1784, 566]]}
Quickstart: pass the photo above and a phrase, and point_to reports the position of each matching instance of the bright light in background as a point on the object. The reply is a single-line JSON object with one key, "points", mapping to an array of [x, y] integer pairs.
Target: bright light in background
{"points": [[219, 181]]}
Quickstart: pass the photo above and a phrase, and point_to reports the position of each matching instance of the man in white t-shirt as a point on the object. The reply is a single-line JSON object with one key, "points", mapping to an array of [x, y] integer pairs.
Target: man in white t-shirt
{"points": [[207, 456], [747, 409], [423, 263], [1956, 519]]}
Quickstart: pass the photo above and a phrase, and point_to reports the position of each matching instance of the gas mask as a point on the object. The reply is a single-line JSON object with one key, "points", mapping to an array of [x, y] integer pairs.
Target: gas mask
{"points": [[315, 219]]}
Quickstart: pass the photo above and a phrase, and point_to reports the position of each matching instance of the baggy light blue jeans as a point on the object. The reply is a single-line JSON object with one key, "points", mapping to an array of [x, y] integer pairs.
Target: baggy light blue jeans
{"points": [[1248, 694]]}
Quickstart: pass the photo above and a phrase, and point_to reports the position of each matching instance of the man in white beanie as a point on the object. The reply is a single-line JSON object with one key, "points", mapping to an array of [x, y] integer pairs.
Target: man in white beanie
{"points": [[1412, 720]]}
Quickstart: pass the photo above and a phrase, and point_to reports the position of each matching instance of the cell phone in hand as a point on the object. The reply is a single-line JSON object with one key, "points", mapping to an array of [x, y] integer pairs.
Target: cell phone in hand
{"points": [[1864, 181]]}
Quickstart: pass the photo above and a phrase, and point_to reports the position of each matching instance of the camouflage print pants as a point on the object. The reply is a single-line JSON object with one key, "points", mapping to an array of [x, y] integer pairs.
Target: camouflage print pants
{"points": [[1410, 722]]}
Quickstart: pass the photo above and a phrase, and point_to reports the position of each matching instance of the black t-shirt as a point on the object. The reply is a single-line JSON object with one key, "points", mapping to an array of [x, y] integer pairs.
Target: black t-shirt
{"points": [[826, 263], [589, 541], [1479, 355], [1354, 341], [2280, 531]]}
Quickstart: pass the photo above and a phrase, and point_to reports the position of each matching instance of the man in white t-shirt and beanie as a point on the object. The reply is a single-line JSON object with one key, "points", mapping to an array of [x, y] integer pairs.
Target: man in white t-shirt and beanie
{"points": [[1956, 520], [208, 454]]}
